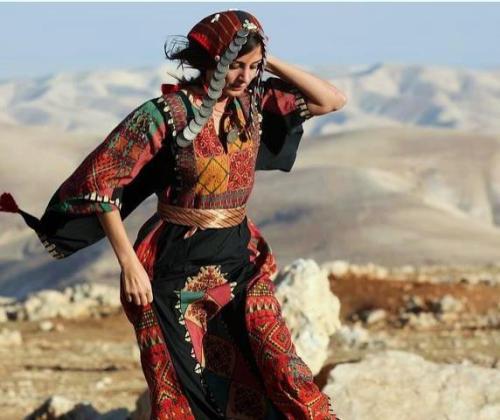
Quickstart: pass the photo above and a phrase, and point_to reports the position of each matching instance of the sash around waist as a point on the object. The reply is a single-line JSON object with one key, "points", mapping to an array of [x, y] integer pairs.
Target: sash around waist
{"points": [[202, 218]]}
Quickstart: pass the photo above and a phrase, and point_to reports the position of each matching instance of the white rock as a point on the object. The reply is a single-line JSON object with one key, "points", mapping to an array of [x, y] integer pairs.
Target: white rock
{"points": [[10, 338], [103, 383], [395, 385], [3, 315], [104, 294], [380, 273], [81, 308], [136, 353], [311, 310], [415, 303], [44, 304], [358, 270], [46, 325], [422, 320], [449, 304], [6, 300], [375, 316], [338, 268], [353, 336]]}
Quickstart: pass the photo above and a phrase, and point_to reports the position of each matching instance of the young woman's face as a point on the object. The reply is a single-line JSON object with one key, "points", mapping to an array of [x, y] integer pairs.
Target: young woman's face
{"points": [[241, 72]]}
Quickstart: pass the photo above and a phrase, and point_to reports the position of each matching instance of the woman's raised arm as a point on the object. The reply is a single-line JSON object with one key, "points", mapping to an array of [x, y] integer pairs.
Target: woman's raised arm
{"points": [[322, 97]]}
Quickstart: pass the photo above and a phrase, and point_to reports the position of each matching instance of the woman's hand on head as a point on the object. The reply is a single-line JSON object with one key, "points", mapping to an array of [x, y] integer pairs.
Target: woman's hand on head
{"points": [[136, 284]]}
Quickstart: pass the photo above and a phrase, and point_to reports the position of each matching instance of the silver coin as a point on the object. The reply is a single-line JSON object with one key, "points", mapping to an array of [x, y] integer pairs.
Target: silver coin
{"points": [[217, 84], [201, 120], [208, 102], [194, 126], [240, 41], [223, 68], [225, 61], [230, 55], [182, 142], [214, 94], [242, 32], [219, 75], [205, 111], [234, 48], [188, 134]]}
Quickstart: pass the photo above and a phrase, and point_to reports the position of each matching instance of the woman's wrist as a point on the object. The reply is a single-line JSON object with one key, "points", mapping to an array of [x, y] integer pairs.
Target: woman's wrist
{"points": [[270, 64], [127, 260]]}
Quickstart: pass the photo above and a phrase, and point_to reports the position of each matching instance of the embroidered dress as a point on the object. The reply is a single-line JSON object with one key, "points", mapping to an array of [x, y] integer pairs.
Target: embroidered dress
{"points": [[213, 342]]}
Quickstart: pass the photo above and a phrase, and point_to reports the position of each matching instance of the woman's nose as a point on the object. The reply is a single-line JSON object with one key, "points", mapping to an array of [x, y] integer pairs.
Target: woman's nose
{"points": [[247, 75]]}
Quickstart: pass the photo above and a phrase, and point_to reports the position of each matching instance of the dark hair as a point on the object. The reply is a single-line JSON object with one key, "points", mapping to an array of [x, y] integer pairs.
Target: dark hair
{"points": [[194, 56]]}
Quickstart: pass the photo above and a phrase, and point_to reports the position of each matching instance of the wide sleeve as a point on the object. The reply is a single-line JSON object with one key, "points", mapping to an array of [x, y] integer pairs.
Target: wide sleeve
{"points": [[284, 110], [127, 167]]}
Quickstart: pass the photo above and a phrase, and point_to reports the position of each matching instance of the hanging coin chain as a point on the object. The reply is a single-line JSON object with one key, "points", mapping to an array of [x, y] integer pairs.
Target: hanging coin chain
{"points": [[217, 83]]}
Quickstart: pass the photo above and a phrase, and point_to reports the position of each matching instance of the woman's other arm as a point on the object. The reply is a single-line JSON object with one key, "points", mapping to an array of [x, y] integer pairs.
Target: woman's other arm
{"points": [[135, 278], [322, 96]]}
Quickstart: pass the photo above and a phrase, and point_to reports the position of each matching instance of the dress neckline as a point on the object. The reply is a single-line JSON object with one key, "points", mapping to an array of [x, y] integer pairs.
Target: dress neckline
{"points": [[210, 121]]}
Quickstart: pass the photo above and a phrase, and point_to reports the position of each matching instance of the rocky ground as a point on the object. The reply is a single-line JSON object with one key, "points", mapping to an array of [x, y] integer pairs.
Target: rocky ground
{"points": [[88, 354]]}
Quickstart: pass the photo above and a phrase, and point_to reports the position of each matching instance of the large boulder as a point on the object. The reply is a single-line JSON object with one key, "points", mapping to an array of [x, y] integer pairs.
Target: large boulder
{"points": [[311, 310], [400, 385], [78, 301]]}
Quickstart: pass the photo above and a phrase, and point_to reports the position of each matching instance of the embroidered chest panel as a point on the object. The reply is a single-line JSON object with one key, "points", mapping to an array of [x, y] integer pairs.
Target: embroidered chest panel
{"points": [[210, 173]]}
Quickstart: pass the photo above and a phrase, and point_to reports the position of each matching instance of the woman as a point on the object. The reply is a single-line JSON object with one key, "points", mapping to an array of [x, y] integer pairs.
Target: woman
{"points": [[197, 284]]}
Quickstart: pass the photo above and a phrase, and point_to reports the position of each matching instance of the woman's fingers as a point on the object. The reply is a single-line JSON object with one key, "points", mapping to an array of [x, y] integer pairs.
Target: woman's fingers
{"points": [[140, 298], [137, 286], [150, 296]]}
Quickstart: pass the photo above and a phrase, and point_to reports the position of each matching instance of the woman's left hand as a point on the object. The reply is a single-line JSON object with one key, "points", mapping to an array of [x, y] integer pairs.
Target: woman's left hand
{"points": [[321, 96]]}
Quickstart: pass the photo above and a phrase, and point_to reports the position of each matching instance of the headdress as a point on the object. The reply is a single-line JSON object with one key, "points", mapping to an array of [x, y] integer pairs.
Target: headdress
{"points": [[222, 35]]}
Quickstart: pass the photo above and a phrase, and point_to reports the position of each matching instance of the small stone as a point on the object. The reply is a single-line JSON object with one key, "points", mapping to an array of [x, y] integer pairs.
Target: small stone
{"points": [[423, 320], [103, 383], [353, 336], [415, 304], [375, 316], [449, 304], [338, 268], [46, 325], [381, 273], [10, 338], [3, 315]]}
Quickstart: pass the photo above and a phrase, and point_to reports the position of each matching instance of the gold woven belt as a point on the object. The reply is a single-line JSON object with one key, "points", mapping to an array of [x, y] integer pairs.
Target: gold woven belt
{"points": [[201, 218]]}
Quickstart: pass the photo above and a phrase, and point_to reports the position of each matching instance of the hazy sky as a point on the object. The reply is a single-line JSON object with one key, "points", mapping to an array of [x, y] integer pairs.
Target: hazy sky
{"points": [[37, 39]]}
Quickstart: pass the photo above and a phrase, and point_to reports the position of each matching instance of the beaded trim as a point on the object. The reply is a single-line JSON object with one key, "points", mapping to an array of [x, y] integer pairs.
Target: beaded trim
{"points": [[301, 104], [168, 116], [51, 248], [93, 196]]}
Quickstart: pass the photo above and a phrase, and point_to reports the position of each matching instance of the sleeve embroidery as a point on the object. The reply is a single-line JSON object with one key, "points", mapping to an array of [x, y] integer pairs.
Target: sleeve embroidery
{"points": [[96, 185], [301, 104]]}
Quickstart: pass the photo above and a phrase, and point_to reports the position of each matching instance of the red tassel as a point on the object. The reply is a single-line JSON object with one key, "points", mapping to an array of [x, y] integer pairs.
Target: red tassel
{"points": [[8, 204], [168, 88]]}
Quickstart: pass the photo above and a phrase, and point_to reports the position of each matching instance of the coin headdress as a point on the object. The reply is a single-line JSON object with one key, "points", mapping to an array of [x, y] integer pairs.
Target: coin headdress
{"points": [[223, 35]]}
